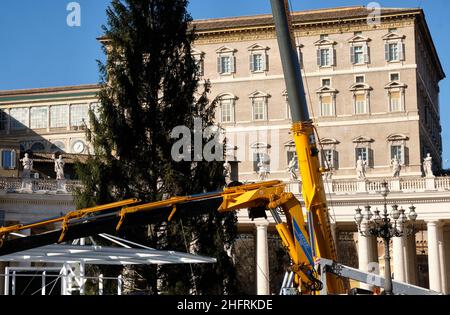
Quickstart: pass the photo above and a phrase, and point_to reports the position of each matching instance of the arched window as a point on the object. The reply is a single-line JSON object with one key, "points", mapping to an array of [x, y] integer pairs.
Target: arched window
{"points": [[226, 103], [259, 105], [361, 98], [38, 147]]}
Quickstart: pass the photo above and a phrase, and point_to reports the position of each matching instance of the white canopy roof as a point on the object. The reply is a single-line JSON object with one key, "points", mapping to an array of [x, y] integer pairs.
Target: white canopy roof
{"points": [[102, 255]]}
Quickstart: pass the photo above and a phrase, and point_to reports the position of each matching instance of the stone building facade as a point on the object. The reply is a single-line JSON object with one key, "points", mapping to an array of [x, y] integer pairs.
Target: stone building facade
{"points": [[373, 90]]}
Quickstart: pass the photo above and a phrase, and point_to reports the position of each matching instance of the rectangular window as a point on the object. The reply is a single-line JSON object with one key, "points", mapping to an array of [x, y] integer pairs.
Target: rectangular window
{"points": [[59, 116], [19, 118], [225, 62], [325, 57], [39, 117], [331, 158], [394, 77], [359, 79], [395, 102], [290, 156], [258, 62], [360, 104], [199, 63], [393, 52], [326, 82], [79, 115], [226, 110], [3, 120], [359, 54], [323, 36], [327, 106], [397, 151], [258, 157], [259, 109], [8, 159], [363, 153]]}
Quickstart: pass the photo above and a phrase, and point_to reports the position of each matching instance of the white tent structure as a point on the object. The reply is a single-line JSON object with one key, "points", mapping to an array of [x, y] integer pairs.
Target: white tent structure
{"points": [[73, 259]]}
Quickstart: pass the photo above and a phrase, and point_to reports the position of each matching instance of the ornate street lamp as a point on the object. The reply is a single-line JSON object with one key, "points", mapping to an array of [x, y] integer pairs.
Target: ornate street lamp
{"points": [[386, 226]]}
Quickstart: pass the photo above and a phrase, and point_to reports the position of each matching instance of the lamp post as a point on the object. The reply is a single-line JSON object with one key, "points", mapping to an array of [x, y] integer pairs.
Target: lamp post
{"points": [[386, 226]]}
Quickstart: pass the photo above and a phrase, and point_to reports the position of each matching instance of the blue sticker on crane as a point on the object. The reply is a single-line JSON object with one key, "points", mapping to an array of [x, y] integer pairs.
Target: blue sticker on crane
{"points": [[302, 241]]}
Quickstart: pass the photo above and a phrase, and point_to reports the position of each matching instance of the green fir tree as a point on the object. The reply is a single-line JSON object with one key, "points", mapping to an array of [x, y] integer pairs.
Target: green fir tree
{"points": [[150, 84]]}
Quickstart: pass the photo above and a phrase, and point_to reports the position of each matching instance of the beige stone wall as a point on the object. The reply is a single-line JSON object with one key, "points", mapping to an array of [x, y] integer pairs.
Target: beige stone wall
{"points": [[378, 124]]}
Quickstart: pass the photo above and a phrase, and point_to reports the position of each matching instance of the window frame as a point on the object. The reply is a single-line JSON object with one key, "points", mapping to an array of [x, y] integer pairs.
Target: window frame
{"points": [[63, 118], [39, 126], [12, 158], [228, 102]]}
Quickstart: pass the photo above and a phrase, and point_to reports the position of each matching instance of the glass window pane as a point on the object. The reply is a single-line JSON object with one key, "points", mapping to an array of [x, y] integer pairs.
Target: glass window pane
{"points": [[258, 62], [226, 108], [19, 118], [359, 54], [226, 64], [395, 102], [325, 57], [59, 116], [393, 52], [258, 109], [39, 117], [363, 153], [7, 162], [79, 114]]}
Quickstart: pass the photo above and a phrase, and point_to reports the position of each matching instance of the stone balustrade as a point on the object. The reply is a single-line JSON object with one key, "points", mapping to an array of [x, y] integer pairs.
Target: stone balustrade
{"points": [[15, 185], [374, 185]]}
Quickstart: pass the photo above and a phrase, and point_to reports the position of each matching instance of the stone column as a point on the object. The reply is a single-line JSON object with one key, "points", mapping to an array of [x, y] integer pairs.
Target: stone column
{"points": [[262, 258], [434, 268], [398, 250], [411, 266], [365, 253], [442, 262]]}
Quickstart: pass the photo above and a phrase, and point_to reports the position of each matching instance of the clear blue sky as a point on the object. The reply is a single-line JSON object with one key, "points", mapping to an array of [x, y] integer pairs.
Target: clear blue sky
{"points": [[38, 49]]}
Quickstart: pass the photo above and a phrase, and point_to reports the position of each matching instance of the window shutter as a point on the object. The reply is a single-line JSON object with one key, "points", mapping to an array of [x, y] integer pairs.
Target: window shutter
{"points": [[335, 159], [356, 155], [352, 55], [371, 159], [13, 159], [366, 54], [333, 56], [318, 58], [386, 51], [265, 62], [233, 64], [219, 65], [406, 154], [1, 159], [401, 48], [251, 63]]}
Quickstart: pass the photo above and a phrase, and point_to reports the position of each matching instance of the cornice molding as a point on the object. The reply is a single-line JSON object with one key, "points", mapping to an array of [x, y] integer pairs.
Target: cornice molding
{"points": [[302, 29]]}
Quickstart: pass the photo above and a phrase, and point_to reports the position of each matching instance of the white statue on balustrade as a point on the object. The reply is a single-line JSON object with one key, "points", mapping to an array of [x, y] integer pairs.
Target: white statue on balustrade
{"points": [[27, 163], [27, 166], [59, 166], [396, 167], [361, 166], [59, 170], [292, 168], [263, 169], [428, 166]]}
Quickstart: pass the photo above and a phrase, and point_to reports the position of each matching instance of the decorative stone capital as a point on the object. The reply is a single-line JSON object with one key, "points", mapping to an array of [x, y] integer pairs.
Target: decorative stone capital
{"points": [[261, 223]]}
